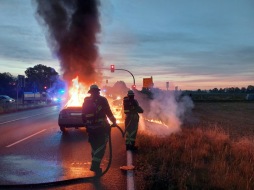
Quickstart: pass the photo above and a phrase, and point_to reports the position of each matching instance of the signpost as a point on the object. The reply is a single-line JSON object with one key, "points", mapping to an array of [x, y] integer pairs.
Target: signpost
{"points": [[20, 85], [148, 83]]}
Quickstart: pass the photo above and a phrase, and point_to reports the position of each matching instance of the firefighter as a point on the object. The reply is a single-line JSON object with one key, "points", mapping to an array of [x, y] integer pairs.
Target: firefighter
{"points": [[131, 110], [95, 111]]}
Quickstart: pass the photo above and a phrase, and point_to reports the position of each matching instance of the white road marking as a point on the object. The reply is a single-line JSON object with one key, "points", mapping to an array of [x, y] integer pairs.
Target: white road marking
{"points": [[130, 180], [25, 138], [19, 119], [24, 118]]}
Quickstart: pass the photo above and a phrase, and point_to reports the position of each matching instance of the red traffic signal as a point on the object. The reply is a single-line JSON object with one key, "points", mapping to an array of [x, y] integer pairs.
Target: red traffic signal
{"points": [[133, 86], [112, 68]]}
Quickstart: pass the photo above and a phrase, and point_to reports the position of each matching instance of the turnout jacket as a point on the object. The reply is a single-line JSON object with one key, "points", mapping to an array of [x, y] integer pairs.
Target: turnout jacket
{"points": [[131, 106], [95, 111]]}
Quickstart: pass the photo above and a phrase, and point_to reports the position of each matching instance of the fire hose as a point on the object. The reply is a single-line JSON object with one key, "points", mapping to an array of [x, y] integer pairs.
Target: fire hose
{"points": [[68, 181]]}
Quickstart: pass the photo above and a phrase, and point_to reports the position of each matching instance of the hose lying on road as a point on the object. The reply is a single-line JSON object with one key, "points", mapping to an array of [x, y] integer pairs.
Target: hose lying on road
{"points": [[67, 181]]}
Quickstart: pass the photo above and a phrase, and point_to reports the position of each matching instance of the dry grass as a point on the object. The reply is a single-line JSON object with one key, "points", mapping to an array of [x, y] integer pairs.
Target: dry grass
{"points": [[208, 154], [236, 118]]}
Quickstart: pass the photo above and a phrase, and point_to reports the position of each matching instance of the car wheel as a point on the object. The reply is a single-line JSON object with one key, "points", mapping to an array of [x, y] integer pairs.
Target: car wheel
{"points": [[63, 129]]}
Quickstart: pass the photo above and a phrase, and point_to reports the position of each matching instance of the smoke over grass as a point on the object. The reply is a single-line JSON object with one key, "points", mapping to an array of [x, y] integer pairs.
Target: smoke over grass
{"points": [[165, 112], [71, 29]]}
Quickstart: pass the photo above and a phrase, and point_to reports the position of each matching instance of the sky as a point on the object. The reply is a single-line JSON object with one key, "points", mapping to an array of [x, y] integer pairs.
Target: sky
{"points": [[192, 44]]}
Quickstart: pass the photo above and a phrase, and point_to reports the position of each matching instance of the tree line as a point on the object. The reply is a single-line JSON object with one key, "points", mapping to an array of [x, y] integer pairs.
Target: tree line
{"points": [[40, 78], [36, 79], [248, 89]]}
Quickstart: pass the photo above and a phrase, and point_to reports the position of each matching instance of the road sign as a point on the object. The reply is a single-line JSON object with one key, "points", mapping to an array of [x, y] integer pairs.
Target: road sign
{"points": [[21, 80]]}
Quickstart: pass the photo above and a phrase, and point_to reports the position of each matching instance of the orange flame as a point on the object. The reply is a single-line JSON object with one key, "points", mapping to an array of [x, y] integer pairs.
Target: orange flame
{"points": [[157, 122], [117, 108], [77, 93]]}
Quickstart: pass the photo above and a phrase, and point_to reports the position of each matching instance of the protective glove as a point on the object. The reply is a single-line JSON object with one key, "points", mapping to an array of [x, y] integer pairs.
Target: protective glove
{"points": [[114, 124]]}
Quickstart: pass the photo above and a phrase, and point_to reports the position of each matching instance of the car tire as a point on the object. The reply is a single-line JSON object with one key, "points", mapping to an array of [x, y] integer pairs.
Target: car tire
{"points": [[63, 129]]}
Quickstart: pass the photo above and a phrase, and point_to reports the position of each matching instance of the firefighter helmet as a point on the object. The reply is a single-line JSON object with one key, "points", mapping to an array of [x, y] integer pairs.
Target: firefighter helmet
{"points": [[93, 87], [130, 93]]}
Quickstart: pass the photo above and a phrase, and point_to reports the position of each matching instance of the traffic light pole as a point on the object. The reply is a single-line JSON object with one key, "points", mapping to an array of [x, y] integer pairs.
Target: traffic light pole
{"points": [[128, 72]]}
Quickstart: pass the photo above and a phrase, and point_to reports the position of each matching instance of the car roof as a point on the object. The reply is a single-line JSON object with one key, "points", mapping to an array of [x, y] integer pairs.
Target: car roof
{"points": [[5, 96]]}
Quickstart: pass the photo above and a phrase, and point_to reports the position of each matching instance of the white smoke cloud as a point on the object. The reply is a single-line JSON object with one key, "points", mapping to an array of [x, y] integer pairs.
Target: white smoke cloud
{"points": [[170, 108]]}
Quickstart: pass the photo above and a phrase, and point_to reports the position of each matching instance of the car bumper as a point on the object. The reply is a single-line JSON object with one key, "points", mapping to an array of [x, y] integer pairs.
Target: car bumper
{"points": [[71, 122]]}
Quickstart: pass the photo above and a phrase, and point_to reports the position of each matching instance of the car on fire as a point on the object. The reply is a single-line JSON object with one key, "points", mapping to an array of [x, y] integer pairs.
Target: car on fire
{"points": [[70, 117]]}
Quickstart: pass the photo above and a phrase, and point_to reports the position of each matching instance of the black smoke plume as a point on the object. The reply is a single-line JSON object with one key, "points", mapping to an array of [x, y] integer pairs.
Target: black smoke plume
{"points": [[71, 29]]}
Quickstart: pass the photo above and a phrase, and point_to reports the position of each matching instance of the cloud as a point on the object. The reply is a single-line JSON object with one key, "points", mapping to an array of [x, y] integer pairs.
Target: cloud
{"points": [[22, 44], [20, 37], [169, 40]]}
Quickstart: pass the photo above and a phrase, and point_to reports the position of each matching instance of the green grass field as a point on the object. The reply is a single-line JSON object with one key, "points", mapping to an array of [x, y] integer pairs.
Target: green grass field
{"points": [[214, 150]]}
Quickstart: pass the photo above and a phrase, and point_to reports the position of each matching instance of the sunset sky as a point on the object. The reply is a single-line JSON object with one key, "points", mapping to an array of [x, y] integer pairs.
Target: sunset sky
{"points": [[189, 43]]}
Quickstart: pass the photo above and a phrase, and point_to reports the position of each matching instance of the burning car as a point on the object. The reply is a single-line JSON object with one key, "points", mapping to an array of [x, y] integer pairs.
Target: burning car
{"points": [[70, 117]]}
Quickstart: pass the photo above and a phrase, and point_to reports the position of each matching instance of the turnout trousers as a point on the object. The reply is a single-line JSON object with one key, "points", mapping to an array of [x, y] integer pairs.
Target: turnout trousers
{"points": [[98, 139], [131, 127]]}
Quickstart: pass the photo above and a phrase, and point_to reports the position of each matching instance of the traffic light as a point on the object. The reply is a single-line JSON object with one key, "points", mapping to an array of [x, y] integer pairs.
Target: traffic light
{"points": [[133, 86], [112, 68]]}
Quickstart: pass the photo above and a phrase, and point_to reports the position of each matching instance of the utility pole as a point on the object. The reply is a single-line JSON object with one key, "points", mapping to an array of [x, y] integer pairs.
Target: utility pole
{"points": [[20, 85], [17, 88]]}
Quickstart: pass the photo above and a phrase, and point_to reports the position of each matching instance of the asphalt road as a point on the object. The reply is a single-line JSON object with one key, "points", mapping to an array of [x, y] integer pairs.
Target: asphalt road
{"points": [[34, 150]]}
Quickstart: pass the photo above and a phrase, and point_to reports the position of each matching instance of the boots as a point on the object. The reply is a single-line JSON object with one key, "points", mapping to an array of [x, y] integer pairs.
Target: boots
{"points": [[96, 169], [128, 147], [134, 148]]}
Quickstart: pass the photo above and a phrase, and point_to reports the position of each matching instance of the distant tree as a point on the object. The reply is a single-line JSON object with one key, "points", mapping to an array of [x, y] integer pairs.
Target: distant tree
{"points": [[237, 89], [250, 89], [40, 77], [231, 90], [7, 84], [243, 89], [215, 90], [221, 90], [147, 92], [121, 85], [119, 89]]}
